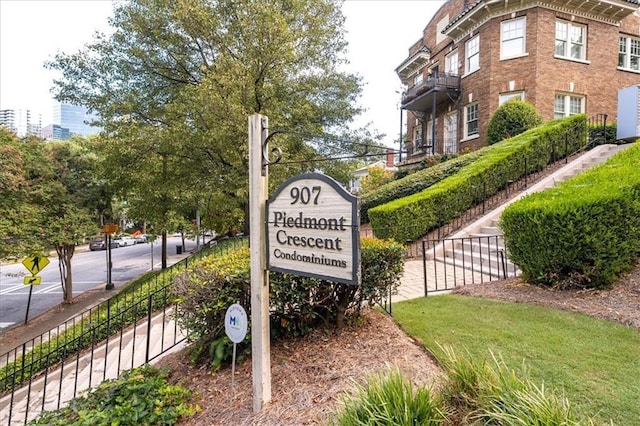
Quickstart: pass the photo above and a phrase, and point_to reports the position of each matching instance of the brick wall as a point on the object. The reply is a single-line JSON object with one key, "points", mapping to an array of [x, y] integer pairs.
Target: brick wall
{"points": [[539, 74]]}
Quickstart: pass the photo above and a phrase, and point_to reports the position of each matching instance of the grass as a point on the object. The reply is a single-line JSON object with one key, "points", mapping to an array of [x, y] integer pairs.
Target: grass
{"points": [[594, 362]]}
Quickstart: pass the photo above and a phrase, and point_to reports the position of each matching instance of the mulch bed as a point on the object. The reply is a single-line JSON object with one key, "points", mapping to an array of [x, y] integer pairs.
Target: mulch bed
{"points": [[310, 375]]}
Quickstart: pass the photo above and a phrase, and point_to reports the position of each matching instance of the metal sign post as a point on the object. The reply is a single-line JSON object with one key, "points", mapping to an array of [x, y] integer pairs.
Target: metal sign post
{"points": [[258, 183], [108, 229], [235, 326], [34, 264]]}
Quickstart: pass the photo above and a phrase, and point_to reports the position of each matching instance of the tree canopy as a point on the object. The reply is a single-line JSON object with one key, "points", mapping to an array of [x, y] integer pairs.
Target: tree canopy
{"points": [[50, 197], [174, 83]]}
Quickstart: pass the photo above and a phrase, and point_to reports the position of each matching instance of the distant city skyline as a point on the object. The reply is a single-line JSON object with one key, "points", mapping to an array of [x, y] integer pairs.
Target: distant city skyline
{"points": [[67, 120], [379, 33]]}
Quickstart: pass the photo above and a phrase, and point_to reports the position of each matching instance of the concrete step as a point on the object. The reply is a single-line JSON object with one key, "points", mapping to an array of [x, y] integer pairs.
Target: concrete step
{"points": [[479, 260]]}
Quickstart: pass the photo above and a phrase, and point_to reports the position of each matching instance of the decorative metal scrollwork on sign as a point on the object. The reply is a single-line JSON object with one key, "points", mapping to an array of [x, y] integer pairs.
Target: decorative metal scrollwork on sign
{"points": [[270, 157], [275, 153]]}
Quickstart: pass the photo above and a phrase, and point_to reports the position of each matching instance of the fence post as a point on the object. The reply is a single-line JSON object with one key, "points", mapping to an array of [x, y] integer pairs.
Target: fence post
{"points": [[24, 358], [504, 264], [484, 195], [149, 308], [424, 267]]}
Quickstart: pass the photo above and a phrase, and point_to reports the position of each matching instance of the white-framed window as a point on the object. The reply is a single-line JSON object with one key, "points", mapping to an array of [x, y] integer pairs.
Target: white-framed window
{"points": [[429, 140], [417, 136], [504, 97], [629, 53], [471, 120], [566, 105], [418, 78], [571, 40], [451, 133], [472, 55], [512, 38], [451, 63]]}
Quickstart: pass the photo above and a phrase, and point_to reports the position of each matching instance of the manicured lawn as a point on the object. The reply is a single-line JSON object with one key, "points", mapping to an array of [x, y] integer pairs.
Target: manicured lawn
{"points": [[595, 362]]}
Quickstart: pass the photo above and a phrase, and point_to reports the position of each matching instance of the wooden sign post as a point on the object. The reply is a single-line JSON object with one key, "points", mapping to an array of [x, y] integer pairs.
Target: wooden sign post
{"points": [[260, 343]]}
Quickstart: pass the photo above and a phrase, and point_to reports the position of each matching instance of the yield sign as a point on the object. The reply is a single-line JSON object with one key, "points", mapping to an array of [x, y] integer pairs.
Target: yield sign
{"points": [[35, 264]]}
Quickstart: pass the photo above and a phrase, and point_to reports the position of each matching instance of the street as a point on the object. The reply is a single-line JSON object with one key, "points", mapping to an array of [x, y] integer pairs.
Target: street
{"points": [[89, 271]]}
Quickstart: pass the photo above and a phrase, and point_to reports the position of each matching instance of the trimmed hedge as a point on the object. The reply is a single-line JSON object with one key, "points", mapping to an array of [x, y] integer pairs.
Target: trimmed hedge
{"points": [[408, 218], [414, 182], [297, 304], [599, 135], [584, 232]]}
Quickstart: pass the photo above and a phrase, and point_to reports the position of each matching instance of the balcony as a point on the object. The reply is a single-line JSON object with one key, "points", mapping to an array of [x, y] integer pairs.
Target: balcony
{"points": [[440, 85]]}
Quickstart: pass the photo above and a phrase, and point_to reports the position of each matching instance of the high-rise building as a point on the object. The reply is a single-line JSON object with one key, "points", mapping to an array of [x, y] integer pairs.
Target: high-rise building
{"points": [[22, 122], [55, 131], [75, 118]]}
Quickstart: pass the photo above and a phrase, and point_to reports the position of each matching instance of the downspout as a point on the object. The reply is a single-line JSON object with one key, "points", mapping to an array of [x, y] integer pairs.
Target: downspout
{"points": [[400, 141], [433, 126]]}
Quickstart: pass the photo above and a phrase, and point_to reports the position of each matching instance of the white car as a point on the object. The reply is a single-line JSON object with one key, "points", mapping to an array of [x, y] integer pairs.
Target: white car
{"points": [[140, 238], [125, 241]]}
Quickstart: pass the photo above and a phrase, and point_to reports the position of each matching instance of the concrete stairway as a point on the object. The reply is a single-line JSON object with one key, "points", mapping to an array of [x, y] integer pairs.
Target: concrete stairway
{"points": [[485, 236], [106, 361]]}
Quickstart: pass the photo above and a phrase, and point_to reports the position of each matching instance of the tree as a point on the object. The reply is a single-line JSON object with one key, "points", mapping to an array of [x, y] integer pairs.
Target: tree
{"points": [[17, 216], [510, 119], [48, 196], [377, 176], [69, 204], [175, 83]]}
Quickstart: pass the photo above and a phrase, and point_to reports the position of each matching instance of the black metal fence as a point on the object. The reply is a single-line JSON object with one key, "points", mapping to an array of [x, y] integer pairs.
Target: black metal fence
{"points": [[457, 262], [129, 329]]}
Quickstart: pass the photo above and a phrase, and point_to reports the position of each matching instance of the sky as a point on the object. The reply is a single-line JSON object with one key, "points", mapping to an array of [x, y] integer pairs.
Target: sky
{"points": [[379, 33]]}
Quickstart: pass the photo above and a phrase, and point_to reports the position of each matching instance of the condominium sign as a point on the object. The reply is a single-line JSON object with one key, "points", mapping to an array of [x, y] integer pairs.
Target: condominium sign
{"points": [[312, 229]]}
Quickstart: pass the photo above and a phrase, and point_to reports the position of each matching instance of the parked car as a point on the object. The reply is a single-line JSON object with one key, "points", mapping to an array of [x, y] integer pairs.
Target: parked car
{"points": [[141, 238], [102, 245], [125, 241]]}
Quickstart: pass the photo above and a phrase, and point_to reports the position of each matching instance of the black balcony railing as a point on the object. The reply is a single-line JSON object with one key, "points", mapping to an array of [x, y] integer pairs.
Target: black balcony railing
{"points": [[436, 81]]}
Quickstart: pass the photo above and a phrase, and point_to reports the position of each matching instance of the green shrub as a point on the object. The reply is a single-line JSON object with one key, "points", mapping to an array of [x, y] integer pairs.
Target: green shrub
{"points": [[297, 304], [599, 135], [377, 176], [139, 396], [390, 399], [204, 293], [414, 182], [408, 218], [511, 119], [583, 232]]}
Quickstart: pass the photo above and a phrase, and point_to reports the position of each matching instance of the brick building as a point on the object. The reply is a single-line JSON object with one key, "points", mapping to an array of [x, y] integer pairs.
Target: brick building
{"points": [[563, 56]]}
